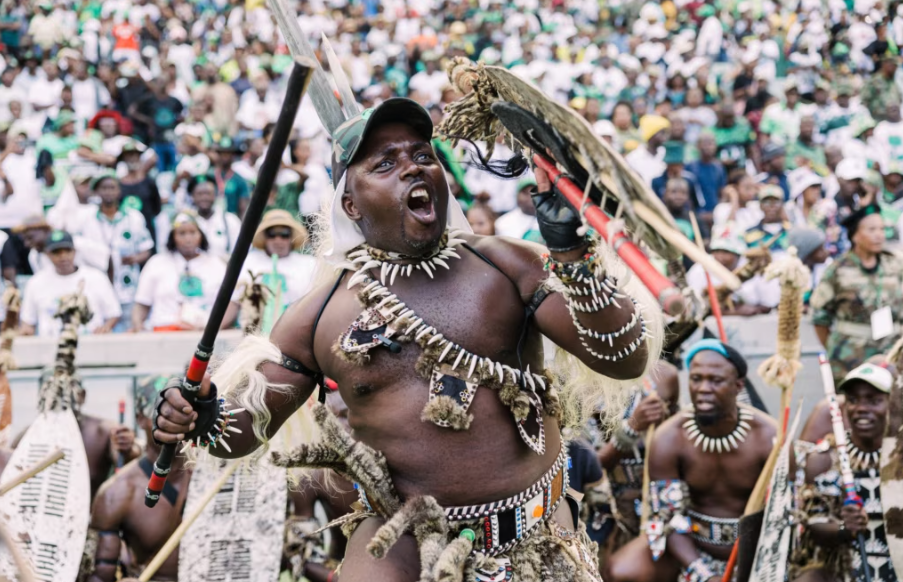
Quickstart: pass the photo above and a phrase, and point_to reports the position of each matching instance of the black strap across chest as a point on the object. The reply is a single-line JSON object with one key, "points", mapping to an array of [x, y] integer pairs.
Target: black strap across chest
{"points": [[169, 491]]}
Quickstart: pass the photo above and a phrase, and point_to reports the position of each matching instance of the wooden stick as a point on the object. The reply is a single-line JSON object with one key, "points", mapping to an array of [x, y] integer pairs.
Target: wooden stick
{"points": [[173, 542], [50, 459], [22, 563], [715, 306], [644, 515], [667, 232]]}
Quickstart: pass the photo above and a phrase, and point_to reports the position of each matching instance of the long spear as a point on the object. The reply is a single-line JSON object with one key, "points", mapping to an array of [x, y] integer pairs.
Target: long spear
{"points": [[851, 497], [297, 85]]}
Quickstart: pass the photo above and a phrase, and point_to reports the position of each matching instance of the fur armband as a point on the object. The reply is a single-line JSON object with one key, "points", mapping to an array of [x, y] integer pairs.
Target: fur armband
{"points": [[624, 437], [668, 500]]}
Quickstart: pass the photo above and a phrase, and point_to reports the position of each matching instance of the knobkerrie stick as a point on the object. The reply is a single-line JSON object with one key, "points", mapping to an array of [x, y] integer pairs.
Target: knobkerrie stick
{"points": [[173, 542], [50, 459]]}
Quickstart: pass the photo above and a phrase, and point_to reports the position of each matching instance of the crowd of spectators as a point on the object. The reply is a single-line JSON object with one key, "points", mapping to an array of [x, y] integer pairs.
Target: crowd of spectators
{"points": [[131, 131]]}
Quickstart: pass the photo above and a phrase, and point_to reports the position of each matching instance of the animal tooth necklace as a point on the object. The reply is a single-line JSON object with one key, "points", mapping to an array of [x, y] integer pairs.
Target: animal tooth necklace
{"points": [[724, 444], [862, 459], [365, 257]]}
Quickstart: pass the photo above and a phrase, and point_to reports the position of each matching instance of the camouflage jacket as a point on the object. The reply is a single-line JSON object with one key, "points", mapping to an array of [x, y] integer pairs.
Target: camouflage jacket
{"points": [[848, 293]]}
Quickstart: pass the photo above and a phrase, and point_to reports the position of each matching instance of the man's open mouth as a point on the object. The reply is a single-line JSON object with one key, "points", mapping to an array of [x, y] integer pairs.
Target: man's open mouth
{"points": [[420, 203]]}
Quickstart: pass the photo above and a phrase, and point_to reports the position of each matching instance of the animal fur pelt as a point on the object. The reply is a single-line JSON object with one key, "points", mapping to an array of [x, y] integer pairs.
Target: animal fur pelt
{"points": [[780, 369], [253, 301], [12, 302], [62, 389]]}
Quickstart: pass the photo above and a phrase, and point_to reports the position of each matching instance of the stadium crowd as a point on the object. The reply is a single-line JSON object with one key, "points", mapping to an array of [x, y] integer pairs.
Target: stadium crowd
{"points": [[131, 132]]}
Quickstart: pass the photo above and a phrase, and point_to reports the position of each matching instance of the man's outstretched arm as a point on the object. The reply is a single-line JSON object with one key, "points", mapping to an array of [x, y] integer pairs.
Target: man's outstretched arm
{"points": [[292, 335], [586, 313]]}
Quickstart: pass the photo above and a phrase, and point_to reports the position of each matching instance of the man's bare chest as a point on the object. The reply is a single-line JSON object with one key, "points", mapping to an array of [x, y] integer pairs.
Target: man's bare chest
{"points": [[476, 309]]}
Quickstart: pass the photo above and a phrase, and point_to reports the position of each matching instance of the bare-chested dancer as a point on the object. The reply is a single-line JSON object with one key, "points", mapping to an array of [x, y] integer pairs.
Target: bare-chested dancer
{"points": [[703, 468], [119, 513], [429, 334]]}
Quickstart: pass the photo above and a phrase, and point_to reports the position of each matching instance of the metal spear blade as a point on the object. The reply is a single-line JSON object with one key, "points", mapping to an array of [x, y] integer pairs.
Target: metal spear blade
{"points": [[321, 94]]}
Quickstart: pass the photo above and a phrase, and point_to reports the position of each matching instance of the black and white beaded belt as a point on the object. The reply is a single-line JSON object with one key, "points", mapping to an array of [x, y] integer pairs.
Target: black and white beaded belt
{"points": [[718, 531], [506, 523], [501, 525]]}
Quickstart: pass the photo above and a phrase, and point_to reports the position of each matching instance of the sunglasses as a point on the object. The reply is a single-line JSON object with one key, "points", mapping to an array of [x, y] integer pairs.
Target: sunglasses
{"points": [[286, 234]]}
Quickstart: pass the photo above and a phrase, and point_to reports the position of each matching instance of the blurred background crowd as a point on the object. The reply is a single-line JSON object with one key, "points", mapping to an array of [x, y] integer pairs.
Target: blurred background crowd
{"points": [[131, 133]]}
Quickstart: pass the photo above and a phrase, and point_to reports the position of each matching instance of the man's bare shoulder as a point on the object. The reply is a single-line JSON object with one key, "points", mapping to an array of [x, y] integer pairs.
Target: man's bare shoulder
{"points": [[95, 425], [292, 333], [671, 433], [763, 423], [115, 495], [519, 260]]}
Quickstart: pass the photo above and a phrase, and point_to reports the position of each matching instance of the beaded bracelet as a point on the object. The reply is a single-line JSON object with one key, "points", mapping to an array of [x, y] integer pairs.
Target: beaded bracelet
{"points": [[572, 271]]}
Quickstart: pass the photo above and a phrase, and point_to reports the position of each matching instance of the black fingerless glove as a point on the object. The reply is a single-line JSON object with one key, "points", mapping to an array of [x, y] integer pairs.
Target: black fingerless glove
{"points": [[208, 412], [558, 222]]}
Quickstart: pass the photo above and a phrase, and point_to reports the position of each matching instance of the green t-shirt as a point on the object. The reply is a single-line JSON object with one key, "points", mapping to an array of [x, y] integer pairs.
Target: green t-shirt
{"points": [[236, 189], [59, 147], [815, 154], [732, 141]]}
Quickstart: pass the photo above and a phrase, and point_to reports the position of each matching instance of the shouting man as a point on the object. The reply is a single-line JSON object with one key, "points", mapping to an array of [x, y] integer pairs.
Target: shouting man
{"points": [[433, 336], [703, 467]]}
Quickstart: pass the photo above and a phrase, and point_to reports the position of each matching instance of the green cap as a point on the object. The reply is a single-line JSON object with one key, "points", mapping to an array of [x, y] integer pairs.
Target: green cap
{"points": [[348, 137], [65, 117], [861, 124], [525, 183], [95, 182], [771, 191], [59, 239]]}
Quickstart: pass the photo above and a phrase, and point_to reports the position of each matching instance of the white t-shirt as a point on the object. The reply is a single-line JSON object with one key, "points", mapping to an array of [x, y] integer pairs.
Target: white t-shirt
{"points": [[889, 139], [26, 197], [648, 166], [745, 218], [43, 291], [296, 272], [518, 224], [756, 291], [159, 287]]}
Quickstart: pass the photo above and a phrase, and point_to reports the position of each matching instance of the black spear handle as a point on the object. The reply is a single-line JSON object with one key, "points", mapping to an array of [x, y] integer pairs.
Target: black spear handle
{"points": [[297, 85]]}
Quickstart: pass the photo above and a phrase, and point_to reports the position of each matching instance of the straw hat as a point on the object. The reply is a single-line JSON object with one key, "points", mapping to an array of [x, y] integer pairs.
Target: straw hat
{"points": [[280, 218]]}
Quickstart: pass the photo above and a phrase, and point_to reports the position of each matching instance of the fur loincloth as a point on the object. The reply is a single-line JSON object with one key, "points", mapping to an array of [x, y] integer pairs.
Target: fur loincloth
{"points": [[448, 551]]}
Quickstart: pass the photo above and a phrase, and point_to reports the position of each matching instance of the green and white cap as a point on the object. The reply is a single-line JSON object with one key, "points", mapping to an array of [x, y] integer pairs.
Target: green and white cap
{"points": [[875, 375]]}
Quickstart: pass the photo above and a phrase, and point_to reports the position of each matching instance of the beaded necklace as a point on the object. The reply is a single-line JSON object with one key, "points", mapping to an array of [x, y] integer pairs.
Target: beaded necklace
{"points": [[725, 444]]}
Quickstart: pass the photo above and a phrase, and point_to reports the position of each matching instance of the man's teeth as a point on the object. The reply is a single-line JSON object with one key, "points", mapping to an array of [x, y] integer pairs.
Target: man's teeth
{"points": [[421, 193]]}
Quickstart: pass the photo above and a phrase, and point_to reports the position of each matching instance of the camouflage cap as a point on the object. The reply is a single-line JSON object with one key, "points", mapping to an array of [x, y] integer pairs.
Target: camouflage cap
{"points": [[348, 137]]}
